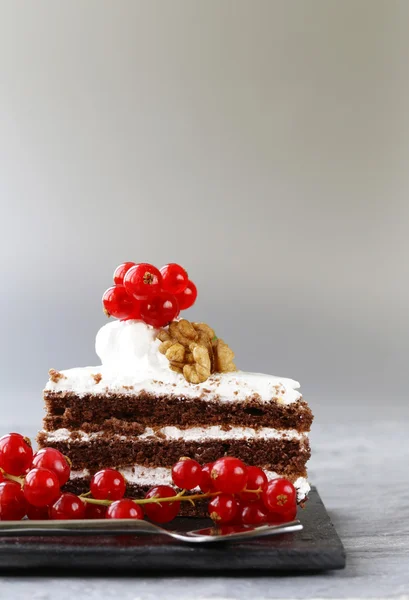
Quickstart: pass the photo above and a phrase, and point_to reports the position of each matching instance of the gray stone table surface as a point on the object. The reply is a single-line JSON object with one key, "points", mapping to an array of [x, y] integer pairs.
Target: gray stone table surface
{"points": [[361, 469]]}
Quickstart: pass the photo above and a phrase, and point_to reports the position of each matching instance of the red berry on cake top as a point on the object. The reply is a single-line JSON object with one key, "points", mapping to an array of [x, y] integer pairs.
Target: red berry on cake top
{"points": [[143, 281], [143, 292], [188, 297], [118, 303], [160, 309], [121, 271], [174, 278]]}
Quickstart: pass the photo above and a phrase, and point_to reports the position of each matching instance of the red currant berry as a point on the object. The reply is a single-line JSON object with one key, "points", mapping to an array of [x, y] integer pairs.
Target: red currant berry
{"points": [[41, 487], [2, 478], [16, 453], [256, 480], [174, 278], [284, 516], [135, 315], [206, 483], [124, 509], [53, 459], [188, 297], [120, 272], [223, 508], [68, 506], [275, 518], [108, 484], [229, 475], [253, 513], [143, 281], [279, 496], [186, 473], [36, 513], [159, 310], [95, 511], [13, 505], [119, 304], [165, 511]]}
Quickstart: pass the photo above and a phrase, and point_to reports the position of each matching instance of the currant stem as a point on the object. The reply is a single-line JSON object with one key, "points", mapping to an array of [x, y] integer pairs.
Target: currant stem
{"points": [[180, 497], [14, 478], [94, 501]]}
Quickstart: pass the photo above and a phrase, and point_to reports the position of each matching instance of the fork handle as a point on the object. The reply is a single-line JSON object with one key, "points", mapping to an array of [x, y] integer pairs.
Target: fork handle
{"points": [[78, 527]]}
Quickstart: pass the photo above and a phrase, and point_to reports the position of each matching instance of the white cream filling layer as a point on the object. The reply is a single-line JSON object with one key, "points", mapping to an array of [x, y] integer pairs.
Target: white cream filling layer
{"points": [[132, 363], [213, 432], [151, 476]]}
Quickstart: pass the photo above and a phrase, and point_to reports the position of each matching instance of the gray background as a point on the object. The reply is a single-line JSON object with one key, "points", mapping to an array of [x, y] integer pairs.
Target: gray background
{"points": [[262, 144]]}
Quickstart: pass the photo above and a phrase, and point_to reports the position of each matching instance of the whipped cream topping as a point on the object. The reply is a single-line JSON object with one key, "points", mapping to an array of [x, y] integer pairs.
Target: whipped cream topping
{"points": [[132, 363], [131, 347]]}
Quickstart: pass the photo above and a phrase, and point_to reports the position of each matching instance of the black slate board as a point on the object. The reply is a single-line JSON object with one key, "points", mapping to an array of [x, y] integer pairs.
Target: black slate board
{"points": [[316, 548]]}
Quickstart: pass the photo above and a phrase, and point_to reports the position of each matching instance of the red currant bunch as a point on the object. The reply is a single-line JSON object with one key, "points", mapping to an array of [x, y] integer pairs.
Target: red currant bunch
{"points": [[143, 292], [237, 494]]}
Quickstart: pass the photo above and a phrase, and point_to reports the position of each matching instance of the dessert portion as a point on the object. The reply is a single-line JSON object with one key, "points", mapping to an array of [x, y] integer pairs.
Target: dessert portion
{"points": [[168, 388]]}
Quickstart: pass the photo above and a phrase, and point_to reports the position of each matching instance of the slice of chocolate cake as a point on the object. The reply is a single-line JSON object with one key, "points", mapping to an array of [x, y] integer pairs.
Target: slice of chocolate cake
{"points": [[161, 394], [167, 389]]}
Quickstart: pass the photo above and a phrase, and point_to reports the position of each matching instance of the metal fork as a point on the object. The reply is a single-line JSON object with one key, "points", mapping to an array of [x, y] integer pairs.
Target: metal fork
{"points": [[135, 527]]}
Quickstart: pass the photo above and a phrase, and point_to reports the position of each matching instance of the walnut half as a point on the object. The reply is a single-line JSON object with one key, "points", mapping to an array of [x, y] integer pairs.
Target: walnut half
{"points": [[194, 350]]}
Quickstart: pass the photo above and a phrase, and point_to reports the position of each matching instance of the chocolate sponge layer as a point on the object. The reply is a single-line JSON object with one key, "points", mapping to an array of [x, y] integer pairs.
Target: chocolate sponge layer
{"points": [[132, 413], [281, 455]]}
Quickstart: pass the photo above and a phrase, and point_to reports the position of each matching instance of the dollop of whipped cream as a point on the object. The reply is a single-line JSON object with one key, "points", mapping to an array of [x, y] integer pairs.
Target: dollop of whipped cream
{"points": [[130, 357], [131, 347]]}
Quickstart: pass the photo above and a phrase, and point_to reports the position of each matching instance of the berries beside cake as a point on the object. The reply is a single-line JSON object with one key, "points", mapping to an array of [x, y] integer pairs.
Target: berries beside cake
{"points": [[168, 388]]}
